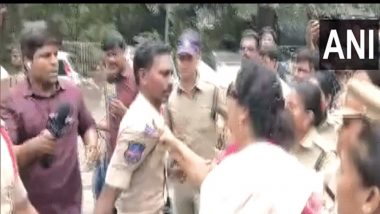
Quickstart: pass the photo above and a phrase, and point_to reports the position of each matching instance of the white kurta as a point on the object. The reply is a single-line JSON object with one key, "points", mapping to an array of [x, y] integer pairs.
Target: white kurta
{"points": [[260, 179]]}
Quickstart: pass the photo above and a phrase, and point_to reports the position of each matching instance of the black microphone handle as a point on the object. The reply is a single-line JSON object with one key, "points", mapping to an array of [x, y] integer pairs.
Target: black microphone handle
{"points": [[46, 161], [55, 127]]}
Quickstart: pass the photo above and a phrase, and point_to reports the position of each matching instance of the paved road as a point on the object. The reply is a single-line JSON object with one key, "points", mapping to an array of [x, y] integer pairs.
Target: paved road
{"points": [[95, 107], [88, 201]]}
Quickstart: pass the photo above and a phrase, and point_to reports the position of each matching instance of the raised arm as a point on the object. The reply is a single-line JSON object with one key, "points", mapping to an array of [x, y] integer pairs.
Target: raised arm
{"points": [[195, 167]]}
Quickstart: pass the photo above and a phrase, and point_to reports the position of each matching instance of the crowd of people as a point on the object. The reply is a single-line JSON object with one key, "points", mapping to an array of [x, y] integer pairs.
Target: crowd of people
{"points": [[300, 139]]}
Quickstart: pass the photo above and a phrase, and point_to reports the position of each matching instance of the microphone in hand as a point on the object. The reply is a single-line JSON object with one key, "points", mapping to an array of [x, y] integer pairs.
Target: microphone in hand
{"points": [[56, 126]]}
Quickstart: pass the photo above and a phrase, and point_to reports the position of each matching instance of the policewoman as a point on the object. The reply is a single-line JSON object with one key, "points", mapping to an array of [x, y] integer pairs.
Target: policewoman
{"points": [[311, 149]]}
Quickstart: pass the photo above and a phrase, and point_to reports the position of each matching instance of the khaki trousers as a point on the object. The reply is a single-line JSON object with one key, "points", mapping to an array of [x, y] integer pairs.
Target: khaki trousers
{"points": [[186, 198]]}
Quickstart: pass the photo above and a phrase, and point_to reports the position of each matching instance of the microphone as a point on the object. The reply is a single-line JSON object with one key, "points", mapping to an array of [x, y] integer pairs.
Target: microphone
{"points": [[56, 127]]}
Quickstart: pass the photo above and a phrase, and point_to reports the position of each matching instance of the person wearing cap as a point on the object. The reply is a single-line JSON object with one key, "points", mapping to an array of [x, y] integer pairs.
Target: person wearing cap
{"points": [[371, 76], [360, 100], [203, 101], [205, 73], [247, 179], [269, 56], [135, 175], [358, 106], [14, 198], [358, 146]]}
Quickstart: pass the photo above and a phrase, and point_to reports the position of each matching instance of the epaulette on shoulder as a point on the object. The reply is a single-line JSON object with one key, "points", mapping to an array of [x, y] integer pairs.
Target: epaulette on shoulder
{"points": [[324, 144]]}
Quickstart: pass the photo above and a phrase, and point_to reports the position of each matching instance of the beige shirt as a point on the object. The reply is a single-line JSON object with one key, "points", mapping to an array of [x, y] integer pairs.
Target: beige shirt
{"points": [[329, 129], [137, 164], [309, 152], [12, 188], [190, 117]]}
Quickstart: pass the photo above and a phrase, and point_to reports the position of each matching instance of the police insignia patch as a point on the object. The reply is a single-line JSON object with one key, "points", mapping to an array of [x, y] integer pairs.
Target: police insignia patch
{"points": [[134, 152], [149, 131]]}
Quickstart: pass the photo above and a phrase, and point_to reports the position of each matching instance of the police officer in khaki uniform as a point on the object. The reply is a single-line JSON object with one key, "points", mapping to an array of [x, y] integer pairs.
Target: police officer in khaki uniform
{"points": [[328, 130], [136, 169], [192, 109], [311, 149], [360, 96], [325, 80], [317, 153], [358, 102], [13, 194]]}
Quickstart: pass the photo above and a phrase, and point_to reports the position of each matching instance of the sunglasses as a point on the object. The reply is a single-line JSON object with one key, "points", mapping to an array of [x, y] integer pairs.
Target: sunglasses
{"points": [[231, 91]]}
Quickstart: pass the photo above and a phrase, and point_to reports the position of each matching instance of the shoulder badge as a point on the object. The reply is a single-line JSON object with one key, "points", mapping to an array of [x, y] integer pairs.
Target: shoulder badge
{"points": [[134, 152]]}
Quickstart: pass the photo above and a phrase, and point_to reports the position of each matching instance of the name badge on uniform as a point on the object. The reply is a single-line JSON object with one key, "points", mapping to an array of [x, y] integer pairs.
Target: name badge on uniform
{"points": [[134, 152]]}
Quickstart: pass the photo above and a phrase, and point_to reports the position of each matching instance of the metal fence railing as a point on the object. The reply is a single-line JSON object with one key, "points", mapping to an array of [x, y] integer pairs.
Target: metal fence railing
{"points": [[86, 55]]}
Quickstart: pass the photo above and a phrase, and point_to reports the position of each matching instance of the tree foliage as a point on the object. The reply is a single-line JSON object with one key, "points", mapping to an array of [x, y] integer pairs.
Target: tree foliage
{"points": [[218, 24]]}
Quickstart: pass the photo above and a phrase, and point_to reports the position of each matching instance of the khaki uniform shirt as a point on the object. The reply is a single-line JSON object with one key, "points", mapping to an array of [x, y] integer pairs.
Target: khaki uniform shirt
{"points": [[190, 117], [309, 153], [12, 188], [329, 129], [137, 164]]}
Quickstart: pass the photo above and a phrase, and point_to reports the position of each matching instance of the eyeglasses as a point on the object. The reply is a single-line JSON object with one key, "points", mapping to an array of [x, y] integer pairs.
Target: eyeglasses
{"points": [[250, 49], [231, 91]]}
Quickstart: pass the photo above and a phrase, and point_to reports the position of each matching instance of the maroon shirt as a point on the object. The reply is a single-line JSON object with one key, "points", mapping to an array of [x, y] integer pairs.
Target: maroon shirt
{"points": [[126, 91], [57, 189]]}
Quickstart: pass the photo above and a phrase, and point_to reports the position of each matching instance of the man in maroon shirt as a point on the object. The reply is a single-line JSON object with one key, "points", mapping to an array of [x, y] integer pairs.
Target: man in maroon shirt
{"points": [[123, 91], [57, 189], [120, 75]]}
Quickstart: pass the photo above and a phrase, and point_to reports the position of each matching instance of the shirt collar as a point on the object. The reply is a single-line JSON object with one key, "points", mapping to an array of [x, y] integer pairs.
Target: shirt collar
{"points": [[28, 91], [199, 85], [142, 101]]}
